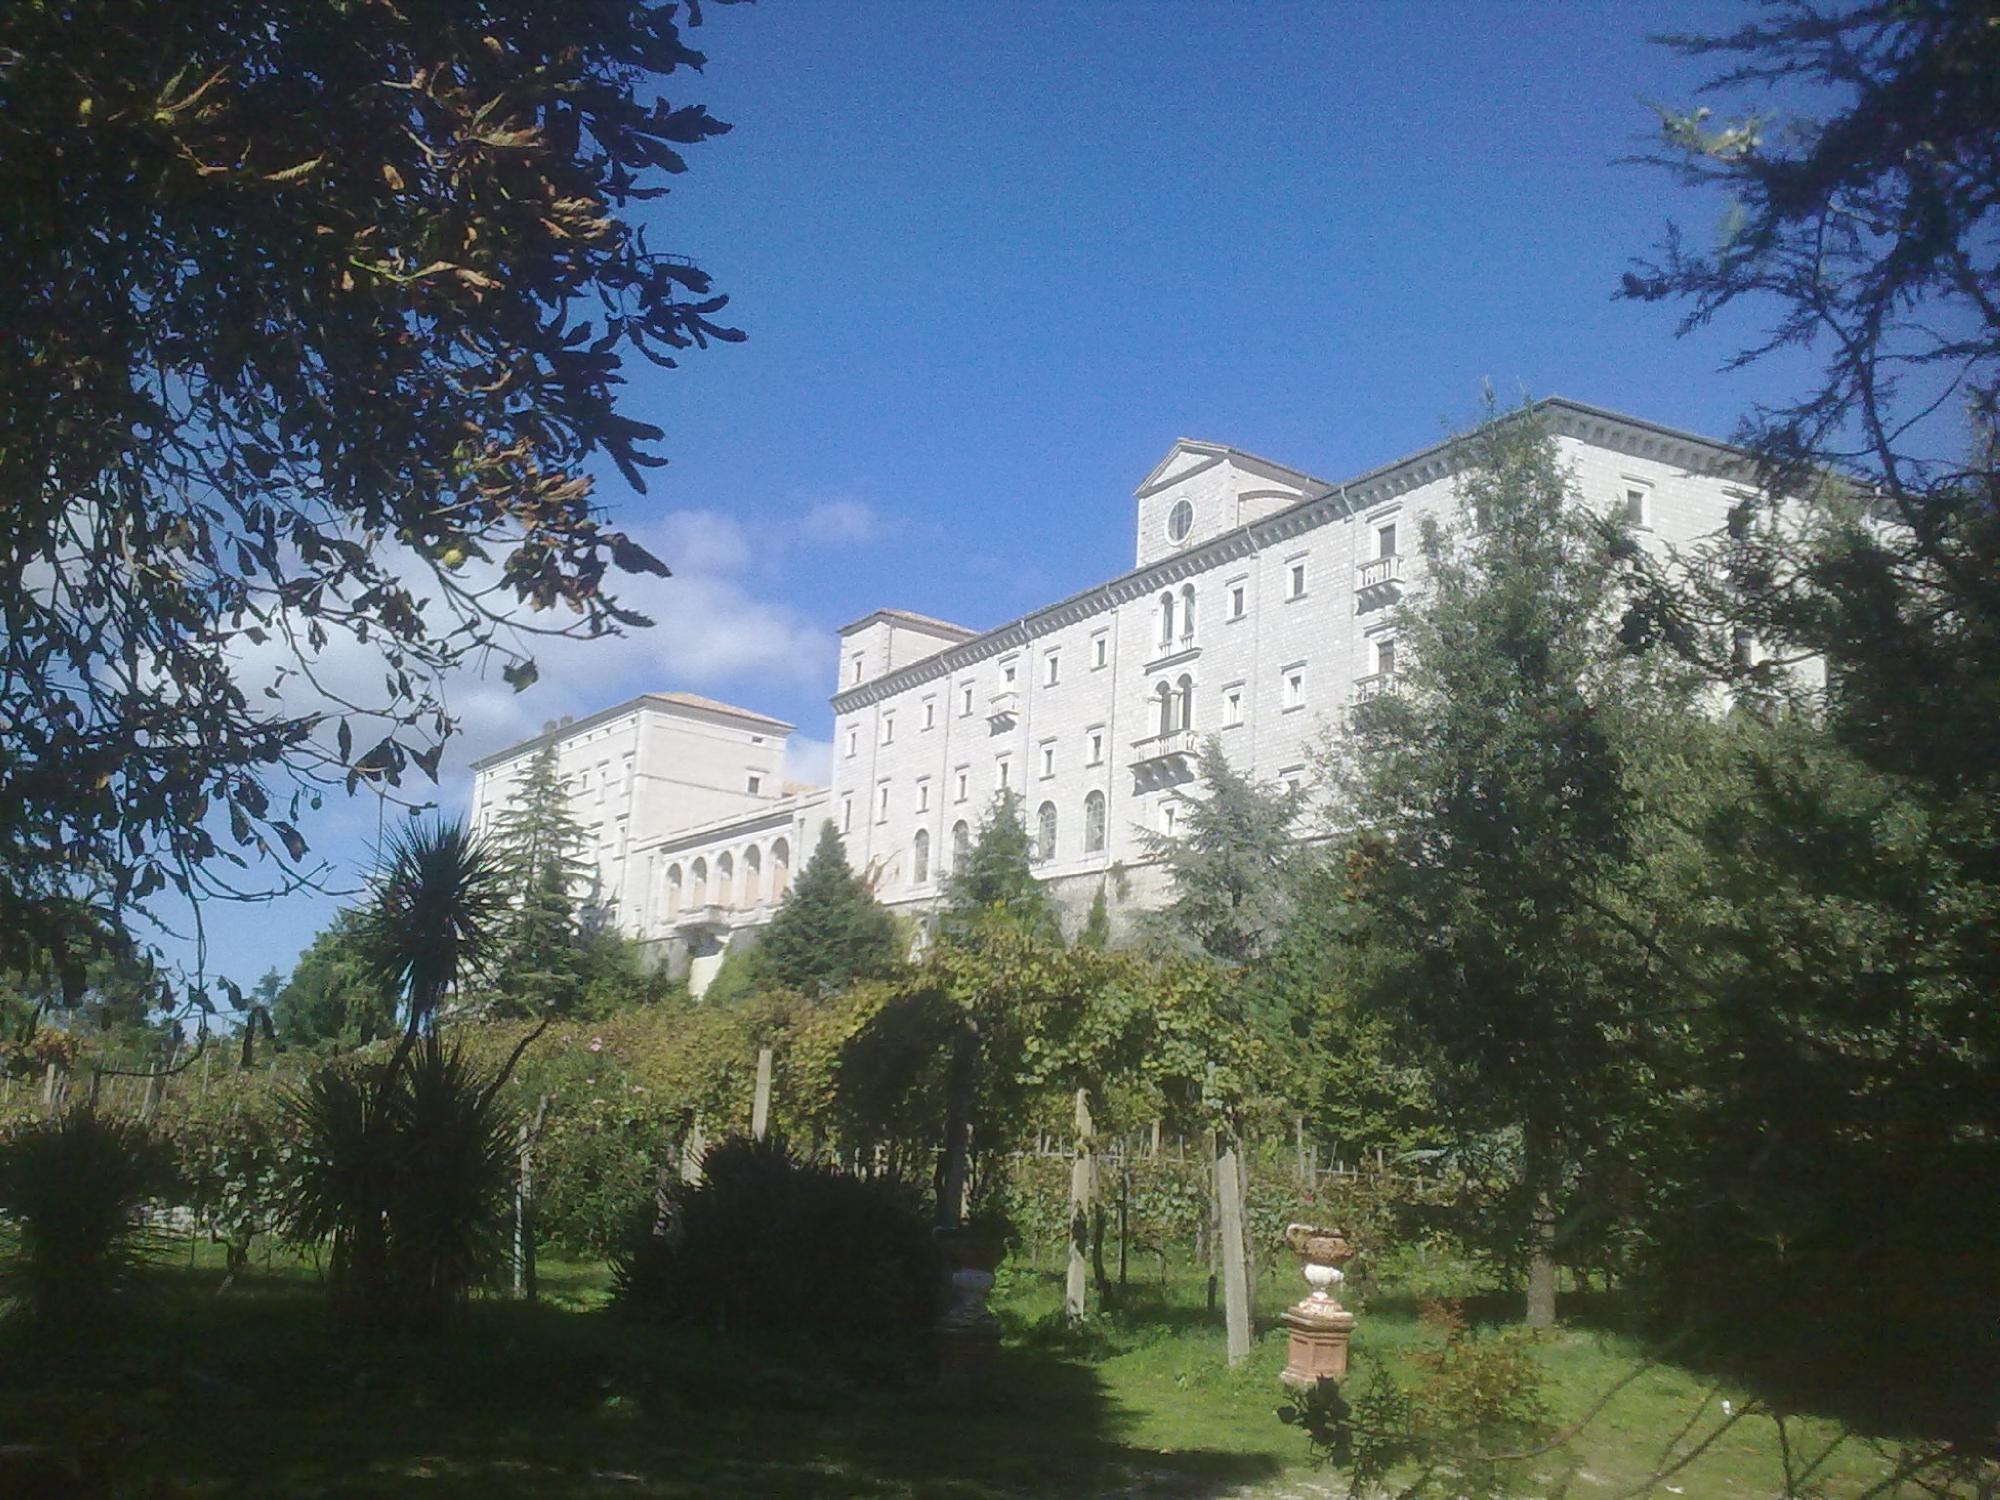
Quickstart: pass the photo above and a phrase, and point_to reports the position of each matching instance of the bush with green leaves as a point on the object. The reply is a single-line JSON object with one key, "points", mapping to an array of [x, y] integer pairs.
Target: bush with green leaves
{"points": [[738, 1242], [71, 1191], [405, 1171]]}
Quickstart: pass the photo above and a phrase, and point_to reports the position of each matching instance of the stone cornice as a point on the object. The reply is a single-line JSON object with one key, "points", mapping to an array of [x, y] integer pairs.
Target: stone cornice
{"points": [[1575, 419]]}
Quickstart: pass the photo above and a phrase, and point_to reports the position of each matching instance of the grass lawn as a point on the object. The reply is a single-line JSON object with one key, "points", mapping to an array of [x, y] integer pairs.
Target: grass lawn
{"points": [[253, 1393]]}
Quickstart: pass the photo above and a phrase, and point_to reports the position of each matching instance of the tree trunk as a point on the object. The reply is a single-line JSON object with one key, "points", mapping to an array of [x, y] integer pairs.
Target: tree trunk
{"points": [[955, 1169], [1541, 1232]]}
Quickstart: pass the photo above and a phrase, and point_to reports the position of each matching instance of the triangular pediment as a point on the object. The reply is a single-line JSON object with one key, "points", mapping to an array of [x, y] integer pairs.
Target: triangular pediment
{"points": [[1184, 460]]}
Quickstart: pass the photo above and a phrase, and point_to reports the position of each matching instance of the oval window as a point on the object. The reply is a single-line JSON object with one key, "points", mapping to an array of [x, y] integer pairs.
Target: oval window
{"points": [[1180, 521]]}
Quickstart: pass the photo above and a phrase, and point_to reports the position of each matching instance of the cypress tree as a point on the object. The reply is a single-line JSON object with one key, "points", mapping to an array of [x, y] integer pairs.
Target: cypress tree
{"points": [[830, 929], [537, 842], [1234, 867], [997, 882]]}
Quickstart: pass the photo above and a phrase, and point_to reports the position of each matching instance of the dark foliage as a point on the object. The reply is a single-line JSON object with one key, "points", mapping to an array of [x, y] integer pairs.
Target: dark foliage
{"points": [[71, 1189], [829, 931], [766, 1239], [316, 319]]}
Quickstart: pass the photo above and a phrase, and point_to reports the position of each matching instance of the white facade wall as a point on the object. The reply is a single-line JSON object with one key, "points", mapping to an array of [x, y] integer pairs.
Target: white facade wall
{"points": [[923, 748]]}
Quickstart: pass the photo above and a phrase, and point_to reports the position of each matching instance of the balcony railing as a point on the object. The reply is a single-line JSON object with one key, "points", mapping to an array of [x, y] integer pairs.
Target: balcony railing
{"points": [[1003, 705], [1374, 685], [707, 914], [1379, 573], [1176, 743]]}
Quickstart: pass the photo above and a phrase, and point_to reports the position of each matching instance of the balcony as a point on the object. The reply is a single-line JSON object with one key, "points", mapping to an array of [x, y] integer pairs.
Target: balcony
{"points": [[1380, 575], [708, 916], [1164, 758], [1002, 707], [1374, 685]]}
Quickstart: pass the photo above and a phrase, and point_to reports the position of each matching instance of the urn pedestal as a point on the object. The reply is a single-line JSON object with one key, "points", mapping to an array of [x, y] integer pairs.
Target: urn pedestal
{"points": [[1318, 1328], [967, 1332]]}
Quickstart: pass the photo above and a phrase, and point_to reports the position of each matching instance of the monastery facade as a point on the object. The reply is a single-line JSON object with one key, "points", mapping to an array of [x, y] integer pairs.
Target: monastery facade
{"points": [[1258, 609]]}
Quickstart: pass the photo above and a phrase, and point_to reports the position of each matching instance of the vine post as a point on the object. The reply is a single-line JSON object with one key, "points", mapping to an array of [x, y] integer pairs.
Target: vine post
{"points": [[1081, 1175], [1235, 1271]]}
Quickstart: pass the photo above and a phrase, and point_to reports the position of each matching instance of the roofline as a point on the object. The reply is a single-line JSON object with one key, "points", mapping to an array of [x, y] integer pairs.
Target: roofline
{"points": [[1153, 482], [913, 620], [1369, 488], [657, 701], [760, 820]]}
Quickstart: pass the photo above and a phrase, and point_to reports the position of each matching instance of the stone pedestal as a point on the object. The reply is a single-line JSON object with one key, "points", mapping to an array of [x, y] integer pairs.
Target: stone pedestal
{"points": [[1316, 1343], [967, 1332], [1318, 1328]]}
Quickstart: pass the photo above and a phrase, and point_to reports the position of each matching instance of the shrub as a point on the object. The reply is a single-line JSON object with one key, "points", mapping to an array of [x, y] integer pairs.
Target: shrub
{"points": [[405, 1172], [72, 1188], [767, 1239]]}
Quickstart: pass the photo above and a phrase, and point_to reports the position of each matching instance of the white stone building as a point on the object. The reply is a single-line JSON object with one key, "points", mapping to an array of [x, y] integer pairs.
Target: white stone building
{"points": [[1257, 611]]}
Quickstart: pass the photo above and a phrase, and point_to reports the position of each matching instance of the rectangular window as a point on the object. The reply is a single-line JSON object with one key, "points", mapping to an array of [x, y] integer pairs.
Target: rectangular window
{"points": [[1048, 758], [847, 813], [888, 729], [961, 784], [924, 795], [1007, 673], [1169, 818], [1096, 742], [756, 785], [1239, 596], [1295, 579], [1293, 779], [1295, 687], [1636, 508], [1385, 657], [1051, 669], [853, 670], [1385, 540], [882, 803], [930, 713], [965, 698], [1232, 706], [1001, 773], [1100, 650], [853, 740]]}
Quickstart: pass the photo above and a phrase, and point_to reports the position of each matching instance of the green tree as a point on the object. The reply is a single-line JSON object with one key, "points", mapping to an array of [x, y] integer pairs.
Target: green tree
{"points": [[1096, 931], [829, 931], [1233, 867], [997, 883], [335, 997], [317, 317], [1843, 940], [1500, 804], [537, 844]]}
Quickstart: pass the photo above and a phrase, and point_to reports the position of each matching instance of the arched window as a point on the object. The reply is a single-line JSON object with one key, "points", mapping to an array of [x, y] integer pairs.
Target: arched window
{"points": [[961, 846], [920, 857], [1165, 695], [725, 880], [673, 890], [1045, 833], [1167, 618], [781, 868], [1187, 611], [698, 883], [1186, 714], [1093, 823], [753, 876]]}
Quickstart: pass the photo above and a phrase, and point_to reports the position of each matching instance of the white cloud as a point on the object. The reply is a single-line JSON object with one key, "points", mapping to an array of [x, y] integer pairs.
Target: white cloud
{"points": [[838, 521], [809, 760], [703, 541]]}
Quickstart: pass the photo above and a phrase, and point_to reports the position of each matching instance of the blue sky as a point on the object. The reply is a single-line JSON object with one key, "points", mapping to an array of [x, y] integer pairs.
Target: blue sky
{"points": [[992, 259]]}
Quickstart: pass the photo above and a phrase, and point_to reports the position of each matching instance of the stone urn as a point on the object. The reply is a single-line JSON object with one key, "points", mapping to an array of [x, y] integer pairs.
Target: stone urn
{"points": [[1318, 1327]]}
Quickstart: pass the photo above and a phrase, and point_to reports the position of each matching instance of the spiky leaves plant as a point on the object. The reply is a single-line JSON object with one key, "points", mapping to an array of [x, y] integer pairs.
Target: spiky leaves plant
{"points": [[341, 1194], [436, 916], [70, 1190]]}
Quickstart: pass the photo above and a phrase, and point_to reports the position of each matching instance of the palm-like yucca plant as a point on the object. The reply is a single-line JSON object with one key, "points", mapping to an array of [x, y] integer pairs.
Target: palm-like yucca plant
{"points": [[407, 1164], [436, 916], [71, 1189]]}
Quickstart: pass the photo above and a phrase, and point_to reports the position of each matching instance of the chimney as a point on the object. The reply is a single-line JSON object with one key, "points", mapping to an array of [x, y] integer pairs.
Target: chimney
{"points": [[548, 726]]}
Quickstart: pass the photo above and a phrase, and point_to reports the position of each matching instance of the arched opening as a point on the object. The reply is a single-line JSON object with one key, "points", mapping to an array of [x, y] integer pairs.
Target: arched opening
{"points": [[1165, 708], [781, 867], [1093, 823], [1187, 611], [698, 883], [1167, 618], [1187, 702], [920, 857], [1045, 833], [673, 890], [725, 880], [961, 846], [753, 876]]}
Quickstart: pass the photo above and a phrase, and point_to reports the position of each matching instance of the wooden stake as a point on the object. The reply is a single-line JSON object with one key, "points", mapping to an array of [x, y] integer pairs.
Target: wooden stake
{"points": [[1077, 1280], [760, 1105], [1235, 1273]]}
